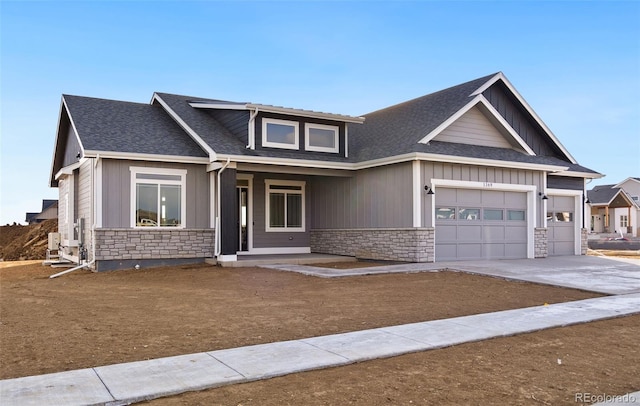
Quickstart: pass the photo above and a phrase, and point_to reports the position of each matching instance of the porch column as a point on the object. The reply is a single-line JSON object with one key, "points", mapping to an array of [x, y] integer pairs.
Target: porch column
{"points": [[228, 213]]}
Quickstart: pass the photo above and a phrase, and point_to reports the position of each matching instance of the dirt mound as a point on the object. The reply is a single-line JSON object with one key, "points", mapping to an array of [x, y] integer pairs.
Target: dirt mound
{"points": [[19, 242]]}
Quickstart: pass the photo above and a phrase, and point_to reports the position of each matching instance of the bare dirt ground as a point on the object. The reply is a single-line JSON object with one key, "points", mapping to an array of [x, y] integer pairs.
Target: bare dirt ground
{"points": [[86, 319]]}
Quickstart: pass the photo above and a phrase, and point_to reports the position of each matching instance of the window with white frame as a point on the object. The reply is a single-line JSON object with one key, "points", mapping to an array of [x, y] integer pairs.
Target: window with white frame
{"points": [[321, 137], [285, 209], [158, 197], [624, 220], [280, 133]]}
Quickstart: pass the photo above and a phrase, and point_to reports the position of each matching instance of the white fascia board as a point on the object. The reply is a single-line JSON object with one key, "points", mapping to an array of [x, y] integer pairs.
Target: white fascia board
{"points": [[564, 192], [183, 124], [501, 76], [219, 106], [480, 99], [506, 125], [573, 174], [449, 121], [64, 108], [146, 157], [306, 113], [276, 109], [491, 162], [625, 181], [391, 160]]}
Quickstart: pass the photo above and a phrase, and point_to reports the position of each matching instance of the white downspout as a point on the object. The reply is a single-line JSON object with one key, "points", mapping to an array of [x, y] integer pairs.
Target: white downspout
{"points": [[251, 130], [218, 234]]}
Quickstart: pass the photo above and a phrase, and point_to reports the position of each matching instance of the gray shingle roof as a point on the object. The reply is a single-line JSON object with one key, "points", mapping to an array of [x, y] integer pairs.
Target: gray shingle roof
{"points": [[602, 194], [117, 126], [397, 129], [109, 125]]}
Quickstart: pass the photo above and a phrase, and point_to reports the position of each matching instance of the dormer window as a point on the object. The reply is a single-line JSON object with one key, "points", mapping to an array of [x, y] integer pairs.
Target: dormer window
{"points": [[280, 133], [322, 138]]}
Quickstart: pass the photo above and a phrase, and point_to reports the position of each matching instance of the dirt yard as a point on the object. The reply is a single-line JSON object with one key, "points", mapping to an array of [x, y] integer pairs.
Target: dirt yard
{"points": [[86, 319]]}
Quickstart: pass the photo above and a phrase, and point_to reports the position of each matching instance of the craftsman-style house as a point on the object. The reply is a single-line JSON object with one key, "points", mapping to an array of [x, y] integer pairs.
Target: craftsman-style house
{"points": [[469, 172]]}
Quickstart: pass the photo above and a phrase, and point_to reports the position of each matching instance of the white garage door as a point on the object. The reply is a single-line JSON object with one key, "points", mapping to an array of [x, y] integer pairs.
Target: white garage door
{"points": [[480, 224], [561, 225]]}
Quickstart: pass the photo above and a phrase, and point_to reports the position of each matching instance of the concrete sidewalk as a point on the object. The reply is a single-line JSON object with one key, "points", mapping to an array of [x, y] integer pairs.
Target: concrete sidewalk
{"points": [[137, 381]]}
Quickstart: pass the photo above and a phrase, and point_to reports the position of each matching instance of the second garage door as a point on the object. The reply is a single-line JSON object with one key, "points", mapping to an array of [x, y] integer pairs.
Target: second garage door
{"points": [[480, 224], [561, 225]]}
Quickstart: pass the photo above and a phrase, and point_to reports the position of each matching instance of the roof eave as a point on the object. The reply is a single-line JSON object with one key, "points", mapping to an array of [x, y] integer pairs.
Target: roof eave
{"points": [[135, 156], [279, 110]]}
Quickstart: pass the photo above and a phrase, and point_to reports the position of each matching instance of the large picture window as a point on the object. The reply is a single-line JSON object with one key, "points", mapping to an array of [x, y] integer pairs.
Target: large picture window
{"points": [[157, 197], [285, 205], [322, 138], [280, 134]]}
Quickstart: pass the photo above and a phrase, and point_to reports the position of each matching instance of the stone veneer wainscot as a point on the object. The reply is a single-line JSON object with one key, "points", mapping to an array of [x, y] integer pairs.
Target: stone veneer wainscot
{"points": [[387, 244], [124, 244]]}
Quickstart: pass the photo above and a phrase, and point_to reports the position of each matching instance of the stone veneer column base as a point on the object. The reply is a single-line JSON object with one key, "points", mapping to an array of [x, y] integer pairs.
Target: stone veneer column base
{"points": [[541, 249], [387, 244], [162, 246], [584, 241]]}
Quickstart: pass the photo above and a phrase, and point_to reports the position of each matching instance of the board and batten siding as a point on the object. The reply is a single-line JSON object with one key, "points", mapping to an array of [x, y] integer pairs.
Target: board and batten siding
{"points": [[473, 128], [264, 239], [519, 120], [373, 198], [116, 192], [565, 182], [63, 189], [461, 172], [84, 199]]}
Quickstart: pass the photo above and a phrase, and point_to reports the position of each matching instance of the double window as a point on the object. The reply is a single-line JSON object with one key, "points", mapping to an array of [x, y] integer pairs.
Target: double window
{"points": [[157, 197], [624, 220], [285, 205], [286, 134]]}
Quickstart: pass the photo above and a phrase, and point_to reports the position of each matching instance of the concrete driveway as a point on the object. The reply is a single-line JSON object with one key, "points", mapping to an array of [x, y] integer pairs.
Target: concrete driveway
{"points": [[595, 274]]}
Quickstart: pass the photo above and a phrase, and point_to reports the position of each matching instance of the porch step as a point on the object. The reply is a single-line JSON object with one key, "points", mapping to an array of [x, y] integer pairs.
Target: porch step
{"points": [[296, 259]]}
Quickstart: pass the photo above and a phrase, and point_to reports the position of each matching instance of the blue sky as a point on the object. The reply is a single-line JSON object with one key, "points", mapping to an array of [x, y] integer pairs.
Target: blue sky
{"points": [[576, 63]]}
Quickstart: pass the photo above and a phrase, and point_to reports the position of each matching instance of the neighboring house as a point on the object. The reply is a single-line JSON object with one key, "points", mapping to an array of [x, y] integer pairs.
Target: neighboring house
{"points": [[616, 208], [49, 211], [469, 172]]}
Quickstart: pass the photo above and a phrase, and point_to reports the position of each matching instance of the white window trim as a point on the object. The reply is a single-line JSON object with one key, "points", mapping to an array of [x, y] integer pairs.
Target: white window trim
{"points": [[336, 137], [294, 124], [275, 182], [135, 170]]}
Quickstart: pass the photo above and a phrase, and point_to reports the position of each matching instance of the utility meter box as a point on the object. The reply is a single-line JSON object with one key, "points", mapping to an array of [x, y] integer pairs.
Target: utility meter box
{"points": [[54, 241]]}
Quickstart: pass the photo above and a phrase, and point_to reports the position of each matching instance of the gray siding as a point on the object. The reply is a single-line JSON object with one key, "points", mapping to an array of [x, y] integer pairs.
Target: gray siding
{"points": [[442, 170], [475, 129], [72, 148], [84, 200], [63, 189], [528, 130], [263, 239], [235, 121], [565, 182], [373, 198], [116, 196]]}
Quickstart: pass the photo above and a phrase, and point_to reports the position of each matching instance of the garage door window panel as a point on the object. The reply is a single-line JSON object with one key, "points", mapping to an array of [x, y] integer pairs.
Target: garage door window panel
{"points": [[493, 214], [445, 213], [516, 215], [469, 214]]}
